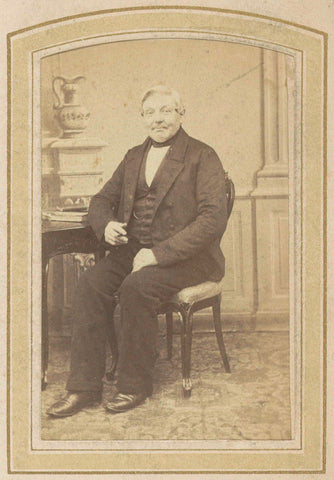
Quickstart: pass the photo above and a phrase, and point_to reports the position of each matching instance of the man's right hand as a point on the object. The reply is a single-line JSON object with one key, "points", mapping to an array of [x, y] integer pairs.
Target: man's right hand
{"points": [[115, 233]]}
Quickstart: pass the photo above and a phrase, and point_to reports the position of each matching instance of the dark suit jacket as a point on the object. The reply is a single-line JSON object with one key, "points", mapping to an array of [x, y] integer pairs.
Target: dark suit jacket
{"points": [[190, 213]]}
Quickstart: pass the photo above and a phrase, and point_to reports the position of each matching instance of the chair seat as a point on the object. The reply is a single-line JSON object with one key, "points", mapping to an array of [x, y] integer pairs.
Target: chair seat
{"points": [[199, 292]]}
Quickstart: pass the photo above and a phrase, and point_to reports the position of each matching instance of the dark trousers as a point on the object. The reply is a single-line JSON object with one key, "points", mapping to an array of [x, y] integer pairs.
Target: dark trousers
{"points": [[140, 295]]}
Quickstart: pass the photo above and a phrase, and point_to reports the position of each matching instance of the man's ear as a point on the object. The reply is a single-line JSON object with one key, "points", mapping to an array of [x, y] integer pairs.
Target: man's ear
{"points": [[181, 112]]}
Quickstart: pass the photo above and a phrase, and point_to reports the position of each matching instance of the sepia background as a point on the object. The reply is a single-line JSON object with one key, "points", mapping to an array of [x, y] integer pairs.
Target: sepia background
{"points": [[239, 100]]}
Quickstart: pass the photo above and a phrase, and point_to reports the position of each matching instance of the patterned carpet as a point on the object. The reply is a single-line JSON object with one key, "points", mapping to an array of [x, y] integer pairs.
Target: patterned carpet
{"points": [[251, 403]]}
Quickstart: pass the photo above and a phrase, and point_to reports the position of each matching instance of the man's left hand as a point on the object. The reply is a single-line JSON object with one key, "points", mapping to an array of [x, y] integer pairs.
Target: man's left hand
{"points": [[144, 258]]}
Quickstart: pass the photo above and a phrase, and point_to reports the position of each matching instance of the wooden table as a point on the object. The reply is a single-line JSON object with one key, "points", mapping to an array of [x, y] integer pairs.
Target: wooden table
{"points": [[59, 238]]}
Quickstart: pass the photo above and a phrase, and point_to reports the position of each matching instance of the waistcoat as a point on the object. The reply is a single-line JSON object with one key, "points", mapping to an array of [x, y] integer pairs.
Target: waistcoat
{"points": [[139, 226]]}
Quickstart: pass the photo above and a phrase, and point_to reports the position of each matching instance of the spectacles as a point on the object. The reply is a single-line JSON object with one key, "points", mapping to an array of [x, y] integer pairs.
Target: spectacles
{"points": [[164, 111]]}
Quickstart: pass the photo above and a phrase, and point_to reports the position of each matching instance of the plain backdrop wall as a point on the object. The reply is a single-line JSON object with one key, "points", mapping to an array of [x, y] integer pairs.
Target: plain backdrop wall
{"points": [[220, 84]]}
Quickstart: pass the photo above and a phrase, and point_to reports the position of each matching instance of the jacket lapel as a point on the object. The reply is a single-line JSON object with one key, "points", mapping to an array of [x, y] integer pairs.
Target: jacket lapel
{"points": [[171, 168], [131, 174]]}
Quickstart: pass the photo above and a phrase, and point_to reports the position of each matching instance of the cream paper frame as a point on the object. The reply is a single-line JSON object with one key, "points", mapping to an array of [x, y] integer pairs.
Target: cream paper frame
{"points": [[26, 453]]}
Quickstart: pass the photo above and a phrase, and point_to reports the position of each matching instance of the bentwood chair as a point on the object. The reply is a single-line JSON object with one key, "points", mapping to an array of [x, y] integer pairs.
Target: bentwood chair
{"points": [[185, 303]]}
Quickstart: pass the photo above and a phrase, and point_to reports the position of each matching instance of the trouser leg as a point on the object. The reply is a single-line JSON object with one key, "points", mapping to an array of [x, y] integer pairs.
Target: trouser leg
{"points": [[93, 311], [140, 296]]}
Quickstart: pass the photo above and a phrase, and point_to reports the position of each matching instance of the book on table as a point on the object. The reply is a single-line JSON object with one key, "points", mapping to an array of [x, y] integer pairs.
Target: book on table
{"points": [[66, 215]]}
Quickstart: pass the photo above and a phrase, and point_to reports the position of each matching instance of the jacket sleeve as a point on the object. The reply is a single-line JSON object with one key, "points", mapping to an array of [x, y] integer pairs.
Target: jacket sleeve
{"points": [[211, 220], [104, 205]]}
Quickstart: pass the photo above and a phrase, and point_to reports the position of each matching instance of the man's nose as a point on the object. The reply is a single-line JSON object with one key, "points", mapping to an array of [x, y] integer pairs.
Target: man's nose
{"points": [[158, 116]]}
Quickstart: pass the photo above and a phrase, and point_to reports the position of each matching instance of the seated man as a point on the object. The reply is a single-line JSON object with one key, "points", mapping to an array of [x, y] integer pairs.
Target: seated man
{"points": [[164, 213]]}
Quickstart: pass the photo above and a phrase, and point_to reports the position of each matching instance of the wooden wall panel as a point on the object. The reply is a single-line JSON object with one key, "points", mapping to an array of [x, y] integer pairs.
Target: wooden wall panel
{"points": [[272, 248], [237, 295]]}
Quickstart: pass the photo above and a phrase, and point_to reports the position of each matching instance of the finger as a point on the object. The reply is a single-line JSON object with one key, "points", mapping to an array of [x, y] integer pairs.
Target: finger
{"points": [[110, 241], [121, 240], [116, 240], [117, 227], [111, 237]]}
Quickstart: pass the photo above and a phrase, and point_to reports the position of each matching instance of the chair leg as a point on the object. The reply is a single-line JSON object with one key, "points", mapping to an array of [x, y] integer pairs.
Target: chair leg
{"points": [[219, 334], [112, 339], [169, 331], [186, 315]]}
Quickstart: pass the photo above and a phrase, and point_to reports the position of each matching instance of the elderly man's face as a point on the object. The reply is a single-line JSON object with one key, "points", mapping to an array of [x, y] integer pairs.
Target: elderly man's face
{"points": [[160, 117]]}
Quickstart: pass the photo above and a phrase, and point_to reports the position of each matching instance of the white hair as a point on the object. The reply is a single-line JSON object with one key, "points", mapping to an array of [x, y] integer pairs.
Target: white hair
{"points": [[162, 89]]}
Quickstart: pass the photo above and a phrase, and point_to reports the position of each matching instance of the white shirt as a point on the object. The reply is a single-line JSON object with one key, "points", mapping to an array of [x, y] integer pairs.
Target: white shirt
{"points": [[153, 162]]}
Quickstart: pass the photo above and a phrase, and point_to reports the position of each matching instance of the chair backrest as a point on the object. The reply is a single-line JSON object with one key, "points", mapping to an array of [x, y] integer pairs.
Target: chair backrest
{"points": [[230, 194]]}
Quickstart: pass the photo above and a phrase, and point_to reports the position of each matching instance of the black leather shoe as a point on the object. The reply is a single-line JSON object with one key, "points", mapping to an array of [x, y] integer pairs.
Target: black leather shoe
{"points": [[73, 402], [122, 402]]}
